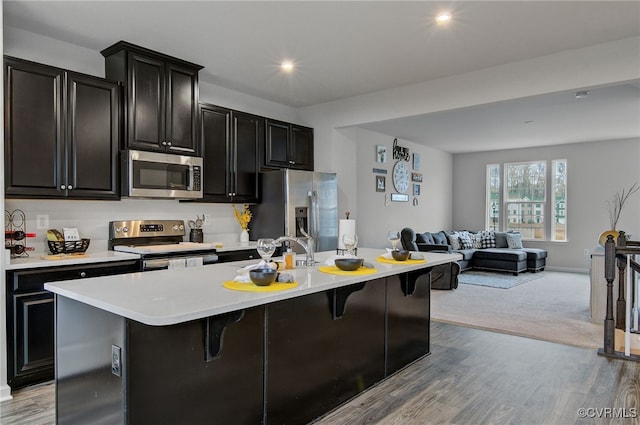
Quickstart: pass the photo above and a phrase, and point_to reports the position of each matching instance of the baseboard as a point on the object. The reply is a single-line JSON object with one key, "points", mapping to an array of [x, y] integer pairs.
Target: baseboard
{"points": [[566, 270], [5, 393]]}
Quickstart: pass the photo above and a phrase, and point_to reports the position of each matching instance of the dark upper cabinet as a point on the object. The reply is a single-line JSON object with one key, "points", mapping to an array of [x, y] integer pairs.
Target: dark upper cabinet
{"points": [[230, 141], [62, 133], [161, 98], [288, 146]]}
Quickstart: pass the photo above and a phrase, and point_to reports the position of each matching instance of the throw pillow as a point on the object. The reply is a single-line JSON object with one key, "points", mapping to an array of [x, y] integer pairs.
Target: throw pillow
{"points": [[454, 240], [514, 240], [476, 238], [488, 239], [465, 240]]}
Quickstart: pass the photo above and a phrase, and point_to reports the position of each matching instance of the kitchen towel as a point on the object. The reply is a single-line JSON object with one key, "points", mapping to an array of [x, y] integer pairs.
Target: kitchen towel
{"points": [[345, 227]]}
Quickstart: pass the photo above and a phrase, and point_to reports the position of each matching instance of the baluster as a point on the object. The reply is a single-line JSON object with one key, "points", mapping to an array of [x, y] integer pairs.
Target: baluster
{"points": [[621, 305]]}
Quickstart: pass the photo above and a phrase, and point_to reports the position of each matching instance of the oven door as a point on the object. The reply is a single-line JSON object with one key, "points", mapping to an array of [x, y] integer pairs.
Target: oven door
{"points": [[157, 175]]}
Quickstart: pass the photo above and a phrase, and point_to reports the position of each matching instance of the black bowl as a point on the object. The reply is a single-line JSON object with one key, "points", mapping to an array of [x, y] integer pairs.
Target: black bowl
{"points": [[263, 277], [400, 254], [348, 264]]}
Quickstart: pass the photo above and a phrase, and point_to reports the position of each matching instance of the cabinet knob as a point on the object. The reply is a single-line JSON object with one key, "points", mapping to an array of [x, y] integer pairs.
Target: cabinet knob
{"points": [[69, 187], [164, 143], [83, 274], [63, 187], [169, 143]]}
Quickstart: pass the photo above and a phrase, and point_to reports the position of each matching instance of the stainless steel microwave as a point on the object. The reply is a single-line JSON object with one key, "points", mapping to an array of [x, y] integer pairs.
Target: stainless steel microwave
{"points": [[160, 175]]}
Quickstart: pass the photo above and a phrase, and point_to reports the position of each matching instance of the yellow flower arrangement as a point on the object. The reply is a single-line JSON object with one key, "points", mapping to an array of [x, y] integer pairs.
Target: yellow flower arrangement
{"points": [[243, 217]]}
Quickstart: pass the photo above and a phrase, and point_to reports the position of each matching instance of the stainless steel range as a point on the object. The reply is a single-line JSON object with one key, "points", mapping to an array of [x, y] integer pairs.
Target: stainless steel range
{"points": [[159, 243]]}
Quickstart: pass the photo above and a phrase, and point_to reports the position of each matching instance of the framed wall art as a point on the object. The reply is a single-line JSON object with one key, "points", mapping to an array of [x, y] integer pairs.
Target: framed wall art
{"points": [[416, 190], [416, 161], [380, 184], [381, 153]]}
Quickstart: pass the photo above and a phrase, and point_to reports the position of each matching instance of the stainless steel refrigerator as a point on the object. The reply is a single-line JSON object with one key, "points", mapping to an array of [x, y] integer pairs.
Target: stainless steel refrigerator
{"points": [[293, 200]]}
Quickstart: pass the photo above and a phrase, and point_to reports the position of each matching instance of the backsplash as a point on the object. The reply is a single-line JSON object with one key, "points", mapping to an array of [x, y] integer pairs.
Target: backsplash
{"points": [[92, 217]]}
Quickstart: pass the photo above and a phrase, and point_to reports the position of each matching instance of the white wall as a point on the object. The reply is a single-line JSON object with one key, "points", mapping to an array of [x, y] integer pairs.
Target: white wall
{"points": [[595, 172], [433, 211]]}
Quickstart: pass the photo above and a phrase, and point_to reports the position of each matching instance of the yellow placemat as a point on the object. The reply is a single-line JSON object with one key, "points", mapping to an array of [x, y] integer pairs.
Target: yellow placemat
{"points": [[381, 259], [335, 270], [251, 287]]}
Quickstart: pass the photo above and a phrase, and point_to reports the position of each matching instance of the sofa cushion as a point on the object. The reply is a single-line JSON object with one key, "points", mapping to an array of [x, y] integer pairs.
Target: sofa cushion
{"points": [[501, 253], [514, 240], [535, 253], [424, 238], [487, 239], [501, 239], [467, 254], [465, 240], [476, 238], [439, 238], [454, 240]]}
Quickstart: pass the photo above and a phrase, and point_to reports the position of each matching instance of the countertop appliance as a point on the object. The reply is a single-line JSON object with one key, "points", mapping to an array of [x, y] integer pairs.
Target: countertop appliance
{"points": [[159, 243], [160, 175], [294, 201]]}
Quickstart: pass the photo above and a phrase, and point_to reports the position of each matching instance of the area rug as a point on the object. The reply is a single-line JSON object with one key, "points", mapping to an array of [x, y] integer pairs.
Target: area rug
{"points": [[553, 308], [496, 280]]}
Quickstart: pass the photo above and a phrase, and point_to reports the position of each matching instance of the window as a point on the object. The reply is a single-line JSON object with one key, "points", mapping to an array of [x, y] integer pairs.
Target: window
{"points": [[493, 197], [559, 224], [529, 198]]}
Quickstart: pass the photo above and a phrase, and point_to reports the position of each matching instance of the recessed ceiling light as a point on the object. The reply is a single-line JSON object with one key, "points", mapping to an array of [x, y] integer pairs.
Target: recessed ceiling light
{"points": [[443, 18], [287, 66], [581, 94]]}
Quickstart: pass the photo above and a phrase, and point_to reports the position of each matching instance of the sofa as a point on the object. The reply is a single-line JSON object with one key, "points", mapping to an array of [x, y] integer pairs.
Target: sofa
{"points": [[483, 250]]}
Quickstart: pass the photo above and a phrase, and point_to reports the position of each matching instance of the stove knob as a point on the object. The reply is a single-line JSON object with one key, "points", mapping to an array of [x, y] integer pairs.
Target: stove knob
{"points": [[125, 229], [181, 227], [117, 229], [175, 227]]}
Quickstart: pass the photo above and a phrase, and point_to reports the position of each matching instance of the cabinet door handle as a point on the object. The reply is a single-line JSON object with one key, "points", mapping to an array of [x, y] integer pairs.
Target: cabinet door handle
{"points": [[83, 274], [63, 187]]}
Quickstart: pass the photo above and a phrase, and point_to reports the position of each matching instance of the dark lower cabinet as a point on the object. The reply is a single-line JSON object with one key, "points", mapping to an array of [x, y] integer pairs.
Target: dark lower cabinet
{"points": [[240, 255], [30, 317]]}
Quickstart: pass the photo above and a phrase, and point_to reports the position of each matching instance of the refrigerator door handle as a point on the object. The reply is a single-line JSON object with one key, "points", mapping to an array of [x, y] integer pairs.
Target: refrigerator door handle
{"points": [[313, 215]]}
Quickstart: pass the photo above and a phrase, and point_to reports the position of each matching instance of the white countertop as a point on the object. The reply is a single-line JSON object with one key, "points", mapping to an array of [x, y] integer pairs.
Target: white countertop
{"points": [[167, 297], [35, 261]]}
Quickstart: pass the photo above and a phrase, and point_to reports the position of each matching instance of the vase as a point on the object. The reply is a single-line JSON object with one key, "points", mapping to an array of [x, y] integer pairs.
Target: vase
{"points": [[603, 237], [244, 237]]}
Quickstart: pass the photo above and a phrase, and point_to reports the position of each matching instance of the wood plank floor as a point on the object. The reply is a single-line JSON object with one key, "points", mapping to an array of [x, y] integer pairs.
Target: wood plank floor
{"points": [[472, 377]]}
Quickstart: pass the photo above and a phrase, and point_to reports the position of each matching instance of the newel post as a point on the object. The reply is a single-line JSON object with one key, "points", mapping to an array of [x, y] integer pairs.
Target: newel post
{"points": [[609, 275]]}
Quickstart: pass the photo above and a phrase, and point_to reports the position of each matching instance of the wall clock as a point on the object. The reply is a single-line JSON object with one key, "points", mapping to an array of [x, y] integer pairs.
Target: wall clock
{"points": [[401, 177]]}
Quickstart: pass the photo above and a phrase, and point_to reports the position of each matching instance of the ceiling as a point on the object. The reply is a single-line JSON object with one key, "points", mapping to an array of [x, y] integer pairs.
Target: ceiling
{"points": [[347, 48]]}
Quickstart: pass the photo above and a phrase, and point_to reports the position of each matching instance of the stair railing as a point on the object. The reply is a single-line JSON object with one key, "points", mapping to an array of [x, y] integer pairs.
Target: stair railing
{"points": [[621, 254]]}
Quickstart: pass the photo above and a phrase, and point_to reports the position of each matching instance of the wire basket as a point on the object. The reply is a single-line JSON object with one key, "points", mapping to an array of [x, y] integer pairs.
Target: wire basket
{"points": [[67, 247]]}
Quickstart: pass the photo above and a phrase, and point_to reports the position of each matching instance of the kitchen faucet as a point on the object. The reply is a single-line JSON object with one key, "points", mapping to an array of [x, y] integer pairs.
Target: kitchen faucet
{"points": [[307, 245]]}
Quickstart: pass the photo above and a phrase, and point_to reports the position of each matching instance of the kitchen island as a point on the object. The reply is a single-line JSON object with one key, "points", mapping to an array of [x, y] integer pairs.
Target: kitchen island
{"points": [[175, 346]]}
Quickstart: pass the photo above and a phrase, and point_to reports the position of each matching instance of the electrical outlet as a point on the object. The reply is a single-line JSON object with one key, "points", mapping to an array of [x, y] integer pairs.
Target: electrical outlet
{"points": [[207, 219], [42, 221]]}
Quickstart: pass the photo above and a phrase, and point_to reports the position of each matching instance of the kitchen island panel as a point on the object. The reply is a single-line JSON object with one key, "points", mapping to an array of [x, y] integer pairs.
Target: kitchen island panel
{"points": [[320, 356], [170, 381], [408, 319]]}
